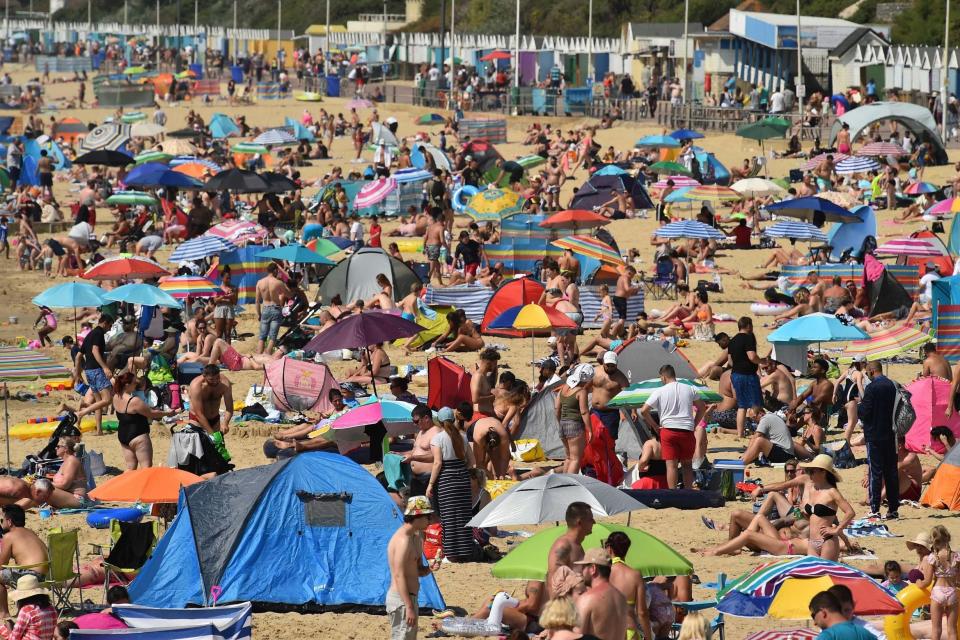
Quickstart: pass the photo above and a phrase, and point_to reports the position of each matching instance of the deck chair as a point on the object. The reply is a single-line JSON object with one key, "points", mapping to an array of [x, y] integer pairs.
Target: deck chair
{"points": [[663, 284], [63, 568], [131, 545]]}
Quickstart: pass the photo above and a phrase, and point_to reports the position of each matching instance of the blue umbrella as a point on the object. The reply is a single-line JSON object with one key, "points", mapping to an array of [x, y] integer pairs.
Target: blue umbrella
{"points": [[157, 174], [201, 247], [795, 231], [295, 253], [809, 207], [142, 294], [658, 141], [610, 170], [690, 229], [817, 327], [71, 294], [678, 195], [412, 174], [686, 134]]}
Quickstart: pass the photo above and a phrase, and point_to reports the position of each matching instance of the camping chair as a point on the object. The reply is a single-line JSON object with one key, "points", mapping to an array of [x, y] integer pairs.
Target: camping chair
{"points": [[664, 281], [63, 567], [131, 545], [717, 625]]}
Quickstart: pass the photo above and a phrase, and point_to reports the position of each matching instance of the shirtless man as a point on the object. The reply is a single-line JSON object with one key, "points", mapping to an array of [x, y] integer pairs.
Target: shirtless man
{"points": [[724, 413], [778, 385], [568, 262], [433, 241], [483, 382], [21, 547], [825, 170], [409, 305], [420, 456], [491, 446], [816, 289], [630, 583], [16, 491], [568, 548], [404, 555], [618, 207], [602, 609], [820, 392], [272, 294], [608, 381], [935, 364], [555, 177], [834, 295], [713, 369], [624, 290], [207, 391]]}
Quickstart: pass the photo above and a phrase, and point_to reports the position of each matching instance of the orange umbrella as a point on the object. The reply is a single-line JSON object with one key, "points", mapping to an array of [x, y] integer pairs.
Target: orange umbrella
{"points": [[195, 170], [154, 484]]}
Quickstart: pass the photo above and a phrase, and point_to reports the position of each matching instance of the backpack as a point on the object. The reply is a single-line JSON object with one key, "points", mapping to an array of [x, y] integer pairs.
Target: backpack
{"points": [[904, 414]]}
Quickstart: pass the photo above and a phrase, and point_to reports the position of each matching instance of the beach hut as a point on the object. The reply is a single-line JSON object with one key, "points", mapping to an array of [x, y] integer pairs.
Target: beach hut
{"points": [[355, 277]]}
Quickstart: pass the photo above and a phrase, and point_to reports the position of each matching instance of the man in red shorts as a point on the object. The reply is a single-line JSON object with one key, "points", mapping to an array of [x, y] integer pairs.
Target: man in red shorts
{"points": [[674, 403]]}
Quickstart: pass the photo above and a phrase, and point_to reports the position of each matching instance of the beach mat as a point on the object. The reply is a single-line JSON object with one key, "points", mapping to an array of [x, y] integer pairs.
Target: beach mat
{"points": [[676, 498]]}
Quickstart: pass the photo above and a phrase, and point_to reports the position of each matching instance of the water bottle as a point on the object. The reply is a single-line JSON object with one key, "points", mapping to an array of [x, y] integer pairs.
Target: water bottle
{"points": [[175, 396]]}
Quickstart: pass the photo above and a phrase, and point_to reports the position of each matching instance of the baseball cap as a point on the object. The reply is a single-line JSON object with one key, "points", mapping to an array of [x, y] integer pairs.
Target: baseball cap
{"points": [[580, 374], [391, 120], [445, 414], [610, 357], [595, 556]]}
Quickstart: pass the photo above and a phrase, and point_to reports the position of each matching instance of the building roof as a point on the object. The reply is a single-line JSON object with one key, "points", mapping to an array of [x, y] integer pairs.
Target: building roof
{"points": [[723, 22], [663, 29], [780, 19], [321, 29], [853, 40]]}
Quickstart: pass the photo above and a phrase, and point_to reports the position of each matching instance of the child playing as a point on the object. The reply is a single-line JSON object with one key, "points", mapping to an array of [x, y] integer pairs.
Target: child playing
{"points": [[941, 568], [4, 241], [606, 311], [894, 575], [47, 255], [46, 324]]}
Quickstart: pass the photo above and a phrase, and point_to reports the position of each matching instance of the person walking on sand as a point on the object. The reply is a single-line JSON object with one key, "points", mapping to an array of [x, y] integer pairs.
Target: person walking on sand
{"points": [[272, 294], [433, 242], [744, 364], [675, 402], [404, 554]]}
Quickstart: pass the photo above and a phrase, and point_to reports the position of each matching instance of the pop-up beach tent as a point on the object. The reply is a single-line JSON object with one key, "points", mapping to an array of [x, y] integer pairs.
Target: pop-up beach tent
{"points": [[355, 278]]}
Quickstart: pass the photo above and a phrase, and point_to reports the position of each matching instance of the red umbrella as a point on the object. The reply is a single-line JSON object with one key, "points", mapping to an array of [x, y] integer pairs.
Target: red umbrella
{"points": [[575, 219], [121, 268], [496, 55]]}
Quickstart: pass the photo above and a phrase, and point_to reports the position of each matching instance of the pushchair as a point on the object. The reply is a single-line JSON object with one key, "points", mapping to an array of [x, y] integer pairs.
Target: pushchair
{"points": [[46, 460]]}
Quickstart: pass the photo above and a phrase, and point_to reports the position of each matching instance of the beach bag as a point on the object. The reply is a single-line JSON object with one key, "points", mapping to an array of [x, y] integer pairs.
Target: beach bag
{"points": [[843, 457], [904, 414], [527, 450]]}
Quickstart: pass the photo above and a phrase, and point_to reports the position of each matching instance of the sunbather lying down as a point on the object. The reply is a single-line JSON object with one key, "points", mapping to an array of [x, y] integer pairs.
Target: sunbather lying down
{"points": [[224, 353]]}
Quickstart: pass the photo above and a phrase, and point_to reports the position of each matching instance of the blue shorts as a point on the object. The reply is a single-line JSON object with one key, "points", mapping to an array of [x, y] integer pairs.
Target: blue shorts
{"points": [[270, 318], [97, 379], [747, 388]]}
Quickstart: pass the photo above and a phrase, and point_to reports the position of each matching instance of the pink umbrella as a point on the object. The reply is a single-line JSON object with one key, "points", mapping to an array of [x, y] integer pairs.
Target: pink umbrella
{"points": [[239, 232], [374, 192], [784, 634], [881, 149], [394, 415], [678, 181], [815, 161], [920, 247], [359, 103], [930, 398]]}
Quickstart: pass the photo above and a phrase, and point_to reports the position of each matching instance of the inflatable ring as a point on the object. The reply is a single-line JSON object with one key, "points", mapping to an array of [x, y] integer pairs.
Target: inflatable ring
{"points": [[100, 518], [462, 195], [767, 309], [473, 627], [310, 96], [26, 430], [912, 598]]}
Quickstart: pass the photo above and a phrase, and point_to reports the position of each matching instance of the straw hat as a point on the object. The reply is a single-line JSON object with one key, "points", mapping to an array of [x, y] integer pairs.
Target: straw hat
{"points": [[27, 587], [822, 461], [922, 539]]}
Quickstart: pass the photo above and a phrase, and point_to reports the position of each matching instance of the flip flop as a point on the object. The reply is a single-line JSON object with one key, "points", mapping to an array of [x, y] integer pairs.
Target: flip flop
{"points": [[708, 523]]}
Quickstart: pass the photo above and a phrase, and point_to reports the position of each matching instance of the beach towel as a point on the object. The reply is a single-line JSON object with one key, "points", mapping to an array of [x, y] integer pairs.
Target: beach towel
{"points": [[864, 528]]}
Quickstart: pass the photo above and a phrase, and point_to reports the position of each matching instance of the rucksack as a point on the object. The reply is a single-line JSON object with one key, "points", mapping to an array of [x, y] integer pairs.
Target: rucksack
{"points": [[904, 414]]}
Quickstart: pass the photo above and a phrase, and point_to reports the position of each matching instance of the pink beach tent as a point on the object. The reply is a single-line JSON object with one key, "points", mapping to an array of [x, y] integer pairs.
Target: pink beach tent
{"points": [[300, 386], [930, 397]]}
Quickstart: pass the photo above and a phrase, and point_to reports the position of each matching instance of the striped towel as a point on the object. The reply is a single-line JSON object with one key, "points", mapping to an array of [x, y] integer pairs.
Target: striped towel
{"points": [[472, 299], [864, 528]]}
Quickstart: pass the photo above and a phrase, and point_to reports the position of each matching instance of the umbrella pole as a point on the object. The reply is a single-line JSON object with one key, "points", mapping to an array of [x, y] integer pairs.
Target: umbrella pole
{"points": [[373, 380], [6, 420]]}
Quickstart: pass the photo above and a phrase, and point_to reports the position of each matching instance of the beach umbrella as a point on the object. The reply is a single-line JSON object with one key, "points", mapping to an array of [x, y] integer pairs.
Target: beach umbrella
{"points": [[686, 134], [278, 183], [177, 147], [132, 198], [374, 192], [105, 157], [762, 130], [324, 247], [422, 149], [70, 295], [395, 416], [914, 247], [411, 174], [185, 133], [885, 344], [238, 181], [590, 247], [179, 161], [359, 103], [239, 232], [816, 327], [881, 149], [638, 393], [713, 193], [142, 294], [678, 181], [249, 148], [857, 164], [785, 634], [152, 156], [196, 170], [156, 174], [430, 118], [150, 485], [132, 71], [610, 170], [690, 229], [497, 55], [125, 268], [575, 219], [758, 187], [811, 207], [201, 247], [494, 204], [677, 195], [815, 161], [647, 554], [782, 589], [180, 287], [297, 254], [546, 498], [146, 130], [944, 207], [795, 230], [840, 198], [666, 142], [106, 136], [920, 188], [666, 166], [532, 318], [275, 138]]}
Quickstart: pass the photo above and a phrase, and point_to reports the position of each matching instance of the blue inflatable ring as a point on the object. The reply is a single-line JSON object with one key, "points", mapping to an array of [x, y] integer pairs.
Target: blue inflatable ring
{"points": [[462, 195], [100, 518]]}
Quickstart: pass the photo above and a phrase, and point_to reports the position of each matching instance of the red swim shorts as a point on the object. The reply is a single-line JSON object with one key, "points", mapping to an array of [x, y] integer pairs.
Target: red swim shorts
{"points": [[677, 444]]}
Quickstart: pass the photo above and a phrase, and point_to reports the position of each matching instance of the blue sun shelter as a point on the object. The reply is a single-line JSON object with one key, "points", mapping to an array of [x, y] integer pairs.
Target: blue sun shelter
{"points": [[311, 531]]}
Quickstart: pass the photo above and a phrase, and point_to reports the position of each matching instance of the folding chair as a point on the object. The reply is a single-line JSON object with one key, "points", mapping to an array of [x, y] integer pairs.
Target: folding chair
{"points": [[663, 284], [63, 568], [131, 545]]}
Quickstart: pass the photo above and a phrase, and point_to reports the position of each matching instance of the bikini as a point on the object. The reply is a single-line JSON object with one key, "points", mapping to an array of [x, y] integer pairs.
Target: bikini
{"points": [[631, 633], [821, 511], [945, 595]]}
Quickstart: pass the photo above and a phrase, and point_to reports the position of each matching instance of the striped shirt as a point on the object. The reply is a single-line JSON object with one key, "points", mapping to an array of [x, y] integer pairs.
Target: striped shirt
{"points": [[33, 623]]}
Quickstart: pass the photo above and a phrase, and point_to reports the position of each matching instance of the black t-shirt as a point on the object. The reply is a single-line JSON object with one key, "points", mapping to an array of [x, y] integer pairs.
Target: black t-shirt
{"points": [[471, 177], [469, 251], [514, 170], [740, 344], [94, 339]]}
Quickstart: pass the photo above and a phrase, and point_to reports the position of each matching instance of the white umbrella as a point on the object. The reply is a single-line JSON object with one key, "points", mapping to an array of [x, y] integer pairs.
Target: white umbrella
{"points": [[145, 130], [545, 499], [758, 187]]}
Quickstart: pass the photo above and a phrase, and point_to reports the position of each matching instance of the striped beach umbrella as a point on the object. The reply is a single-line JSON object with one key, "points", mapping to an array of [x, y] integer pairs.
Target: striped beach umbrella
{"points": [[678, 181], [132, 198], [916, 247], [690, 229], [201, 247], [239, 232], [359, 103], [412, 174], [920, 188], [575, 219], [125, 268], [815, 161], [152, 156], [250, 148], [785, 634], [494, 204], [885, 344], [374, 192], [713, 193], [133, 116], [881, 149], [146, 130], [590, 247], [795, 230], [944, 207], [176, 161], [107, 136], [198, 170], [638, 393], [189, 287], [857, 164], [532, 318], [276, 138], [678, 195]]}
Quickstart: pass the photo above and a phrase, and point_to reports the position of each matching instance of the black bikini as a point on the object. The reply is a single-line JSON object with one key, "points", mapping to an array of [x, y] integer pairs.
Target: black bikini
{"points": [[820, 510]]}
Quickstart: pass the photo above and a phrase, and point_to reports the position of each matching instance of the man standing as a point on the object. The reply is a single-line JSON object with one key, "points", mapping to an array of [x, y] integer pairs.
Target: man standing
{"points": [[624, 290], [674, 402], [21, 547], [602, 609], [433, 241], [826, 612], [14, 161], [820, 392], [207, 391], [420, 456], [45, 174], [96, 370], [272, 294], [608, 381], [568, 548], [483, 382], [404, 555], [744, 363], [876, 415]]}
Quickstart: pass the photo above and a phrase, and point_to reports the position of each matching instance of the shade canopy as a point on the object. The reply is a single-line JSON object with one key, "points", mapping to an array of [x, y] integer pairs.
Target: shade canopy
{"points": [[142, 294], [363, 330]]}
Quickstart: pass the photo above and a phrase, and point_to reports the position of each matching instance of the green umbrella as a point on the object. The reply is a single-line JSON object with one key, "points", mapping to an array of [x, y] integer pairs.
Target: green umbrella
{"points": [[670, 168], [778, 122], [5, 181], [764, 130], [648, 555], [324, 247], [132, 71], [249, 147], [132, 198], [152, 156], [637, 394]]}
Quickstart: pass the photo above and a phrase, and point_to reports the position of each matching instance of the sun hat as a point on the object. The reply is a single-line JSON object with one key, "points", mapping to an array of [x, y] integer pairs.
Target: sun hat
{"points": [[922, 539], [564, 580], [580, 374], [595, 556], [416, 506], [27, 587], [824, 462]]}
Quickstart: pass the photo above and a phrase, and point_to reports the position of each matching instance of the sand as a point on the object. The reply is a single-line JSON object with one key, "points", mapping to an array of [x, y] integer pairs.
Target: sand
{"points": [[462, 585]]}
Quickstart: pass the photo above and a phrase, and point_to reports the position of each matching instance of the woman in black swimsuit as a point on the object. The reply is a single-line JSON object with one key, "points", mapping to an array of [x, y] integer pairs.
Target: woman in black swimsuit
{"points": [[134, 417]]}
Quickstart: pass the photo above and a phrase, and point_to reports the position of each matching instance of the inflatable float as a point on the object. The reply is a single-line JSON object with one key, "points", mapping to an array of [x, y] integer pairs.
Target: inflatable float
{"points": [[28, 430], [767, 309], [310, 96], [100, 518], [462, 195], [472, 627], [912, 598], [409, 245]]}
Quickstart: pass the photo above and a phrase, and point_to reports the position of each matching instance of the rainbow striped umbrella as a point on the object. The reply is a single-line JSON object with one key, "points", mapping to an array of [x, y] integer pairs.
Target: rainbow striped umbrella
{"points": [[950, 205], [189, 287], [209, 164], [374, 192], [885, 344], [590, 247], [678, 181], [881, 149], [239, 232], [919, 247], [533, 318], [494, 204], [713, 193], [639, 392], [133, 116], [919, 188], [784, 634], [857, 164], [250, 148], [152, 156]]}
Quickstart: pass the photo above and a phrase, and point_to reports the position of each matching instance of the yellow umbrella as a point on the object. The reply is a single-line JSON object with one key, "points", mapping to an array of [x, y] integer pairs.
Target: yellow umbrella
{"points": [[494, 204]]}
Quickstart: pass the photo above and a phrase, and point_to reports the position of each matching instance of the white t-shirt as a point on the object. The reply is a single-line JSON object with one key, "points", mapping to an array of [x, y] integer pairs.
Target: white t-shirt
{"points": [[356, 231], [674, 403], [927, 283], [433, 73], [443, 441], [776, 103]]}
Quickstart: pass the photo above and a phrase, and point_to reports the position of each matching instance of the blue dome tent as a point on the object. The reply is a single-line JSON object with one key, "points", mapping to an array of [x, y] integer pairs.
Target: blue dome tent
{"points": [[850, 235], [309, 532]]}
